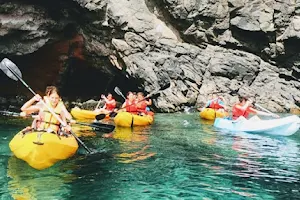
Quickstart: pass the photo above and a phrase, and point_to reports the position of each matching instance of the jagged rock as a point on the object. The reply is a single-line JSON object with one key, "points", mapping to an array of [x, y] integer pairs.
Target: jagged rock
{"points": [[255, 16], [293, 31], [24, 28], [199, 48]]}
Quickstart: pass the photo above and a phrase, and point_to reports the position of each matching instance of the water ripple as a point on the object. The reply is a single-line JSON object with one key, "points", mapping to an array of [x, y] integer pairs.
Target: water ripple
{"points": [[179, 157]]}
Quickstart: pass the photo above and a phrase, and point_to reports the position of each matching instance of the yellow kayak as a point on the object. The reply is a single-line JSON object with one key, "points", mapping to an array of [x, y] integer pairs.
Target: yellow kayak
{"points": [[78, 113], [295, 111], [81, 114], [211, 114], [126, 119], [42, 149]]}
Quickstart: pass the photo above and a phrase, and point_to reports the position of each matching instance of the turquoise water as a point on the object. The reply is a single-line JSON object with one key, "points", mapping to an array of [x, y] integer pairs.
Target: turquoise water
{"points": [[178, 157]]}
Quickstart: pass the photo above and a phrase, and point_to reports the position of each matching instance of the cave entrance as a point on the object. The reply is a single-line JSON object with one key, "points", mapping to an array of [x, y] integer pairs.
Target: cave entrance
{"points": [[53, 64]]}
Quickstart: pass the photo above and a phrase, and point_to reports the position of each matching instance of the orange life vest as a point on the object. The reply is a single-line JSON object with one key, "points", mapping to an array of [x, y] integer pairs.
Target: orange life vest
{"points": [[215, 105], [141, 107], [132, 108], [237, 112], [111, 105]]}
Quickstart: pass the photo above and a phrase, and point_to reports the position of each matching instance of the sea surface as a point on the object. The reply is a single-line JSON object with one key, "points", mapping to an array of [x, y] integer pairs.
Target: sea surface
{"points": [[179, 157]]}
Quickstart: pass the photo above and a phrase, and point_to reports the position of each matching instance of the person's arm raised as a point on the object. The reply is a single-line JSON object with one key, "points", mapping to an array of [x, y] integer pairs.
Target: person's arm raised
{"points": [[149, 102], [29, 108], [246, 105]]}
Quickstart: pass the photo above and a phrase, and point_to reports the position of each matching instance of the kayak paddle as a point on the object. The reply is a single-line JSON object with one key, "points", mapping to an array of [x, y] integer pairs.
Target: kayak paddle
{"points": [[105, 128], [98, 104], [100, 116], [259, 106], [13, 72], [118, 91]]}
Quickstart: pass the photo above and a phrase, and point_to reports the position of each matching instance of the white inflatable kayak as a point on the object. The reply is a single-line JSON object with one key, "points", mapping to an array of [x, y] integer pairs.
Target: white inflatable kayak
{"points": [[283, 126]]}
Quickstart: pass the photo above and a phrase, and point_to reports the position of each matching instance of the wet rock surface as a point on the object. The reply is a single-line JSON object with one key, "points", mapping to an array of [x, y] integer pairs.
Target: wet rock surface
{"points": [[196, 48]]}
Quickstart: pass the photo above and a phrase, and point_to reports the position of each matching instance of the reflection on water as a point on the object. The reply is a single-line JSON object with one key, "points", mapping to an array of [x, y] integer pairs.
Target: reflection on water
{"points": [[207, 128], [83, 131], [28, 183], [134, 144], [178, 157], [254, 149]]}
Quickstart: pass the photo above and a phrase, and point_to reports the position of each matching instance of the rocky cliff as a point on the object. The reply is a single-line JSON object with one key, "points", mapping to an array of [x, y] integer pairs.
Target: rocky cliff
{"points": [[195, 47]]}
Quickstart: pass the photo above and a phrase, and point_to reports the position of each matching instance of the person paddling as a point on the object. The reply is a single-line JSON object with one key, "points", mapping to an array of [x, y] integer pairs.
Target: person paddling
{"points": [[45, 120], [110, 104], [48, 90], [143, 103], [216, 103], [243, 108], [130, 103], [66, 112]]}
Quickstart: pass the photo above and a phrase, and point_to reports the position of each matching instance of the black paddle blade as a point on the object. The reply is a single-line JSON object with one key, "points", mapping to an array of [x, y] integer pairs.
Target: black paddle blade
{"points": [[105, 128], [7, 66], [157, 91], [100, 116], [113, 114], [97, 126]]}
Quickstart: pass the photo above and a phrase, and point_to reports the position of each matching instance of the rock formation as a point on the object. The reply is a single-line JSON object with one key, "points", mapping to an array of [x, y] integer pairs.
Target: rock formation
{"points": [[199, 48]]}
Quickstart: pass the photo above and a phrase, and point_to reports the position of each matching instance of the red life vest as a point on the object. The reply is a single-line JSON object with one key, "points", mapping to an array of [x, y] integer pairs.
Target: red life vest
{"points": [[142, 107], [237, 112], [132, 108], [111, 105], [215, 105]]}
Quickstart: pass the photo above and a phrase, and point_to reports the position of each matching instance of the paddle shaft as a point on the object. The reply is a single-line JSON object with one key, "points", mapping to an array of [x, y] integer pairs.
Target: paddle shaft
{"points": [[137, 101], [50, 109], [210, 101], [149, 95], [105, 91], [98, 103], [118, 91], [104, 126], [263, 108]]}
